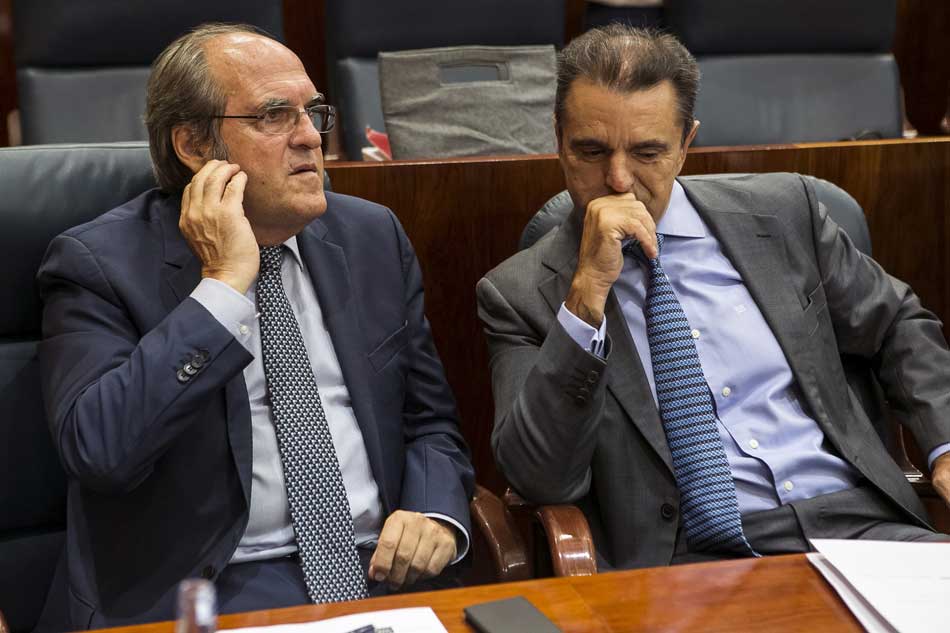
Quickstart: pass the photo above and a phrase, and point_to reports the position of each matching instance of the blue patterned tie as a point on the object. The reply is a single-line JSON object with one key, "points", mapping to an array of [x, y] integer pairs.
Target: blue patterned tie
{"points": [[710, 509]]}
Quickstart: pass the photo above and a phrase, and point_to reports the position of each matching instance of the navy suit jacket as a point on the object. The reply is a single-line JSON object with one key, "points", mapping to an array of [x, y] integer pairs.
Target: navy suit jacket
{"points": [[159, 469]]}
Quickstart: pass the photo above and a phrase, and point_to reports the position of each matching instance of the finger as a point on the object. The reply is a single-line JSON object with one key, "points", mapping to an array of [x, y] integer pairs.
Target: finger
{"points": [[420, 560], [198, 180], [381, 563], [408, 544], [649, 244], [234, 190], [441, 557], [642, 234], [216, 181], [185, 203]]}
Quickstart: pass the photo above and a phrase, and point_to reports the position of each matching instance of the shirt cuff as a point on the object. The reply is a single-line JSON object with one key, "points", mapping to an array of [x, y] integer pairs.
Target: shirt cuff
{"points": [[935, 453], [229, 307], [583, 333], [462, 539]]}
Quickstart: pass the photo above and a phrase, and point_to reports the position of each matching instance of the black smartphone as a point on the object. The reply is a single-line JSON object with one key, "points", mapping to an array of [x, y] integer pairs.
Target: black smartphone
{"points": [[513, 615]]}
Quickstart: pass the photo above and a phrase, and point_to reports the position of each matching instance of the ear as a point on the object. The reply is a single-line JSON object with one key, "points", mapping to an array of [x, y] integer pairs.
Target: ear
{"points": [[188, 151], [691, 135], [686, 143]]}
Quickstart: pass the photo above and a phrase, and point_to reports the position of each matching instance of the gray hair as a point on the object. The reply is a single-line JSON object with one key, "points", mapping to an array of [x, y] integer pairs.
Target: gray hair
{"points": [[182, 91], [625, 59]]}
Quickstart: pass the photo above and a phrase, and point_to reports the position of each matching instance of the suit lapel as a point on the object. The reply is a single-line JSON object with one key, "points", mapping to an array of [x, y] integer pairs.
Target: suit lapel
{"points": [[753, 240], [626, 380], [326, 263], [181, 274]]}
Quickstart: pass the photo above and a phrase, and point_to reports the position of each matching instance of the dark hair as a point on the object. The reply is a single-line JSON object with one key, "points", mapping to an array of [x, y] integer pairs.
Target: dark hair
{"points": [[625, 59], [182, 91]]}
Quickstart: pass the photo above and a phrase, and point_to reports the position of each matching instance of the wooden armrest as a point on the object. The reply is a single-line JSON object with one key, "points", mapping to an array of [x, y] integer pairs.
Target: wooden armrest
{"points": [[505, 545], [569, 539], [936, 506]]}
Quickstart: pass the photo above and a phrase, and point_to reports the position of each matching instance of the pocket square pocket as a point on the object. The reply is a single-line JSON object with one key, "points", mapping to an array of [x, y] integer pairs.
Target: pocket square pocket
{"points": [[816, 303], [391, 345]]}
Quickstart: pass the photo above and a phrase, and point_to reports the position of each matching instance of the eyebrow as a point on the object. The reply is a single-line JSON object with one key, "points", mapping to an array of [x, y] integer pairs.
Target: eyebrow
{"points": [[651, 144], [276, 102]]}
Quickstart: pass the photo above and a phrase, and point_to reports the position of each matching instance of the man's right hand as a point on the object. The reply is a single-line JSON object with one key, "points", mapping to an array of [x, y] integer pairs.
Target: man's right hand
{"points": [[607, 223], [213, 222]]}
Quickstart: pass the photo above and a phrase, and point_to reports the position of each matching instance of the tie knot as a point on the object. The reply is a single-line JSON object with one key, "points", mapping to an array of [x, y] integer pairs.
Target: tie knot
{"points": [[633, 247], [271, 257]]}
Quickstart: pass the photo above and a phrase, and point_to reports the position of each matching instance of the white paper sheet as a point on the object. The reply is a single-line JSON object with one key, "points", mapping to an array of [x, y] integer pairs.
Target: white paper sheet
{"points": [[415, 620], [889, 586]]}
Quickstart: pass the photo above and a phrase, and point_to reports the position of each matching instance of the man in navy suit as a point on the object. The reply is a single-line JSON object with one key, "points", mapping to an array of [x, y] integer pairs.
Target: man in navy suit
{"points": [[167, 393]]}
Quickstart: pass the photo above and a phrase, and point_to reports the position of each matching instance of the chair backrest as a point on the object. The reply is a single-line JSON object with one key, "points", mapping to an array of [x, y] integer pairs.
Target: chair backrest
{"points": [[358, 30], [82, 66], [776, 71], [46, 190]]}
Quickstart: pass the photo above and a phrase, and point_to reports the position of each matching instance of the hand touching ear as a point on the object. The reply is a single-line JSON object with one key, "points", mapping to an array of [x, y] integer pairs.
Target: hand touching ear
{"points": [[215, 227]]}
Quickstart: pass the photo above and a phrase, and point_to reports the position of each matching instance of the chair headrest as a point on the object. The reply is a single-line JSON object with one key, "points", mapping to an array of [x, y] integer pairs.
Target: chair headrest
{"points": [[48, 189], [780, 26], [841, 207], [363, 28], [65, 33]]}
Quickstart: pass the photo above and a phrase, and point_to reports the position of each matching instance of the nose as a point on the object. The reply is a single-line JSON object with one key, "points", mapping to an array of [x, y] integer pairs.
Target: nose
{"points": [[305, 134], [619, 177]]}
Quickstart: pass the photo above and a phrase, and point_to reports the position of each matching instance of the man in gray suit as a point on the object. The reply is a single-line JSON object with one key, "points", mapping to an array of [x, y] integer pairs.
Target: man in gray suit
{"points": [[741, 290]]}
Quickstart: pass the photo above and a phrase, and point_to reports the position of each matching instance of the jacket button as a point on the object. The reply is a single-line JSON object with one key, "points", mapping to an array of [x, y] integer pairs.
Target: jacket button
{"points": [[580, 400], [183, 377], [208, 572], [667, 511], [592, 377], [189, 369]]}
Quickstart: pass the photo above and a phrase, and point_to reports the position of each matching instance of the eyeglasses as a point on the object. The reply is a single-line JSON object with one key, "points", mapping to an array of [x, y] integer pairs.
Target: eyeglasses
{"points": [[283, 119]]}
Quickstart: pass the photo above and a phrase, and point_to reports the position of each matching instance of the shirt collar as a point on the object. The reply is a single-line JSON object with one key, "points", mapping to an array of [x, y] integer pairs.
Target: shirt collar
{"points": [[291, 245], [681, 218]]}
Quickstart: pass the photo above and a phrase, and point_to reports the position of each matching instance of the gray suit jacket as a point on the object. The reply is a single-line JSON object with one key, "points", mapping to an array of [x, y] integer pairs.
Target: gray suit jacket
{"points": [[570, 427]]}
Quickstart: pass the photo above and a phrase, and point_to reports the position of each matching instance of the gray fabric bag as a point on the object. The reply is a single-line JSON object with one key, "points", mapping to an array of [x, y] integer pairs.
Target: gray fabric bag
{"points": [[469, 100]]}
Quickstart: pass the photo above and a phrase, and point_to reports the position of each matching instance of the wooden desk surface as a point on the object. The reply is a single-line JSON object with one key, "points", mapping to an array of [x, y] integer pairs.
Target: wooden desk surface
{"points": [[781, 594]]}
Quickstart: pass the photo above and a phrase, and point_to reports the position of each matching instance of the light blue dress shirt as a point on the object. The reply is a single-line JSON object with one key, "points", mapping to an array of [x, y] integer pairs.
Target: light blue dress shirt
{"points": [[269, 532], [776, 451]]}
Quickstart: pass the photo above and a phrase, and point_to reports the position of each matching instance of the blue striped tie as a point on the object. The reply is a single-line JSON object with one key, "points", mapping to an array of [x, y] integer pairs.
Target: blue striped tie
{"points": [[710, 509]]}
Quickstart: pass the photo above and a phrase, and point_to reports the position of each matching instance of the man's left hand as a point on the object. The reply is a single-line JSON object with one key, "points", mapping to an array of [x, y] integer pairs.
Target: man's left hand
{"points": [[940, 476], [411, 546]]}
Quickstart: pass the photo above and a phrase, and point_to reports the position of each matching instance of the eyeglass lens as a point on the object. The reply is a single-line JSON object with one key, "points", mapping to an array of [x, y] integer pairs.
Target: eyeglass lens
{"points": [[283, 119]]}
